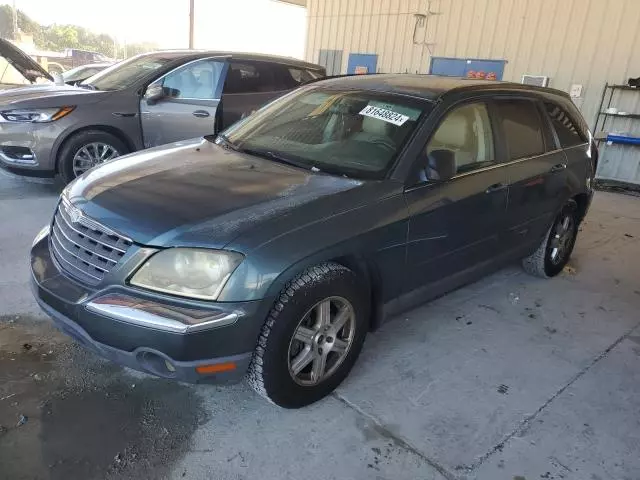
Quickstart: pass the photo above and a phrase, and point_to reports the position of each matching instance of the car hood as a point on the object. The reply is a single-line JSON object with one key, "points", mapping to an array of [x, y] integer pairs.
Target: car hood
{"points": [[29, 68], [196, 193], [49, 96]]}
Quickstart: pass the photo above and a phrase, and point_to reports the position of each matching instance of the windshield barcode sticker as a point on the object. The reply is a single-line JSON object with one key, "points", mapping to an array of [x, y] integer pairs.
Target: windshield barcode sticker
{"points": [[384, 115]]}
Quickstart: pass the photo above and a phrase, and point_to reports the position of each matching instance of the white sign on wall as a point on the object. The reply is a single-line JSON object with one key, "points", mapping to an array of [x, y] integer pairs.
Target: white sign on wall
{"points": [[575, 91]]}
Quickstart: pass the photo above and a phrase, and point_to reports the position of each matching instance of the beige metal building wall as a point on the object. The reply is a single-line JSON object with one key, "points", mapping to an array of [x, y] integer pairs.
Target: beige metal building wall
{"points": [[584, 42]]}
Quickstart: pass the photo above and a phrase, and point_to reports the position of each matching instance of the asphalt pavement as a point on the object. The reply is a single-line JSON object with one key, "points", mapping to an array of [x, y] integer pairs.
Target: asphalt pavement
{"points": [[512, 378]]}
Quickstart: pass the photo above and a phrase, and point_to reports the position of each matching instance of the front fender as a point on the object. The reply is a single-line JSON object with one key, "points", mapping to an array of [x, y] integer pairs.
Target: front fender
{"points": [[374, 233]]}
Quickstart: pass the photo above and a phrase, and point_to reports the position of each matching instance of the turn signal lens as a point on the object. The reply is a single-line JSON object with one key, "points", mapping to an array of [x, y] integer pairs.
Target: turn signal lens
{"points": [[62, 112]]}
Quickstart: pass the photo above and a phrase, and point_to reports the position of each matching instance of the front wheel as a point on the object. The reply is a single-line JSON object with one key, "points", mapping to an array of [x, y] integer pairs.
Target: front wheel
{"points": [[87, 149], [312, 337], [555, 250]]}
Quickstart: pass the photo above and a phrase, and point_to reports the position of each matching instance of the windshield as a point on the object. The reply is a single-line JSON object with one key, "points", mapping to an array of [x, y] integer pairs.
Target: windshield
{"points": [[126, 74], [347, 132], [78, 73]]}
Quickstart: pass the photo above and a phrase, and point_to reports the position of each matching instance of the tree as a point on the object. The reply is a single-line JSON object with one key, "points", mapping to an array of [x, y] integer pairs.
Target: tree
{"points": [[57, 38]]}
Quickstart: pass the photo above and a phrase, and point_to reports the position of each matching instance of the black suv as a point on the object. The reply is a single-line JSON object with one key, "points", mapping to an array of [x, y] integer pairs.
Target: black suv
{"points": [[277, 245]]}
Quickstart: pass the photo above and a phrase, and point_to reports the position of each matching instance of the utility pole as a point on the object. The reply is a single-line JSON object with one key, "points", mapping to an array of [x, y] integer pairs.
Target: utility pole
{"points": [[191, 16], [15, 21]]}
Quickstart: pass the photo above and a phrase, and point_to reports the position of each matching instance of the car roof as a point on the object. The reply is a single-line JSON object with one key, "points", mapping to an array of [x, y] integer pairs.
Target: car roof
{"points": [[429, 87], [195, 54]]}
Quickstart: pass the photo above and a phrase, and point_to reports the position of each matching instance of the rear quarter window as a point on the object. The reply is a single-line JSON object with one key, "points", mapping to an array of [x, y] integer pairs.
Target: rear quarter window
{"points": [[566, 128], [522, 128]]}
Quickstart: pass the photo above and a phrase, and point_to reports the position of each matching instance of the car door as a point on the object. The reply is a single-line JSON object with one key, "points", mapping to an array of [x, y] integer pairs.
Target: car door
{"points": [[186, 107], [536, 170], [457, 224], [248, 86]]}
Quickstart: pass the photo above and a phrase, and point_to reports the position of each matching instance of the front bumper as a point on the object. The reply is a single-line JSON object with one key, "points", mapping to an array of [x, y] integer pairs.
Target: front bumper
{"points": [[215, 354], [36, 139]]}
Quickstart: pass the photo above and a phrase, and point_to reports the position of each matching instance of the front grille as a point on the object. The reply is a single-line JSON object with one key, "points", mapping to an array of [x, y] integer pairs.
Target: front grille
{"points": [[84, 248]]}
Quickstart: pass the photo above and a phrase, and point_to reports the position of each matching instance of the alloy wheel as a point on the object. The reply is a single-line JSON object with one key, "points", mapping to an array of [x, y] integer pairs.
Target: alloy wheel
{"points": [[321, 341], [562, 238], [91, 155]]}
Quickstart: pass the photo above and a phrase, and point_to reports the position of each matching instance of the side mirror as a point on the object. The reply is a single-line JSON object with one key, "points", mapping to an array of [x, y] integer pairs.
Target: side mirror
{"points": [[153, 94], [441, 165]]}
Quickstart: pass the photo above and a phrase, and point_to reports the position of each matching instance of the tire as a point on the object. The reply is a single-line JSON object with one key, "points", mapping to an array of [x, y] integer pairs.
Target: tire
{"points": [[542, 262], [271, 373], [85, 139]]}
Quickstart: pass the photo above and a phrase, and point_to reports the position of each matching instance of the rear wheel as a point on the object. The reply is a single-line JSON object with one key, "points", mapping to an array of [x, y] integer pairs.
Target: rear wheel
{"points": [[555, 250], [312, 337], [87, 149]]}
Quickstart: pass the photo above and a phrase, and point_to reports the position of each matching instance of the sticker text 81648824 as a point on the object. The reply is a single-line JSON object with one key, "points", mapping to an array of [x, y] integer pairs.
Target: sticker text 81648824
{"points": [[384, 115]]}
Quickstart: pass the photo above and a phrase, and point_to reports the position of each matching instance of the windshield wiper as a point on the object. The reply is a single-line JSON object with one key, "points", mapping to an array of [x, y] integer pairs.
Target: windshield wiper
{"points": [[224, 141], [269, 155]]}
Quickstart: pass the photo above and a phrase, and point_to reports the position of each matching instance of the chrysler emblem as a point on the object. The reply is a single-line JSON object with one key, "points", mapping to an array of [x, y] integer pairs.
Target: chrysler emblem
{"points": [[75, 215]]}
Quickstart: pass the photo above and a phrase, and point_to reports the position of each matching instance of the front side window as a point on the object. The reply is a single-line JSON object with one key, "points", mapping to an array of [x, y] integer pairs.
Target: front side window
{"points": [[195, 81], [126, 74], [568, 134], [466, 131], [522, 128], [344, 132]]}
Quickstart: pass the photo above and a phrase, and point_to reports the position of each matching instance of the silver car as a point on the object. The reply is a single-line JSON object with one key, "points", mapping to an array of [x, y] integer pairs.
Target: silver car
{"points": [[142, 102]]}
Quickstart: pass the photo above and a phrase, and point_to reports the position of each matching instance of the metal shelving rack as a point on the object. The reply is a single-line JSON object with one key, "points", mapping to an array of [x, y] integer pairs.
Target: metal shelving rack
{"points": [[600, 134]]}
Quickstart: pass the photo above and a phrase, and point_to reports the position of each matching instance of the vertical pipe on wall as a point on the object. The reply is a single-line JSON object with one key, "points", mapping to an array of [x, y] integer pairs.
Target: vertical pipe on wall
{"points": [[191, 21]]}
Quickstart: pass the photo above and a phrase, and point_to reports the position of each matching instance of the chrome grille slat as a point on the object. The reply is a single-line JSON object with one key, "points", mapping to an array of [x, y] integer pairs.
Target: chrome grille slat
{"points": [[70, 240], [83, 241], [84, 248], [68, 222], [78, 257], [60, 257]]}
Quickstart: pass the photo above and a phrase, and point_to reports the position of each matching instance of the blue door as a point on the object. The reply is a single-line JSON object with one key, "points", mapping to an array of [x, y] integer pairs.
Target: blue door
{"points": [[467, 67], [362, 63]]}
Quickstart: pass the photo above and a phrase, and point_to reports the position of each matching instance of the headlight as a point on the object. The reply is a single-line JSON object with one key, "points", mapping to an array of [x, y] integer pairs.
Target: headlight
{"points": [[36, 115], [188, 272]]}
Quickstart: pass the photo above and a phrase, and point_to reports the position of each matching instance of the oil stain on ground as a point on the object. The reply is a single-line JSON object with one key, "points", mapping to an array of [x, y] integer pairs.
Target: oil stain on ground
{"points": [[85, 418]]}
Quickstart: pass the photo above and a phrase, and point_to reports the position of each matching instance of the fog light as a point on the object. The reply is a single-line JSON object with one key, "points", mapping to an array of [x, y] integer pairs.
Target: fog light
{"points": [[14, 154]]}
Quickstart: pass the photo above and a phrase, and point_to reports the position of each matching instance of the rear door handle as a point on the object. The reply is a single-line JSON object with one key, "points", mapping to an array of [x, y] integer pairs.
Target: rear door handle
{"points": [[200, 113], [558, 168], [496, 187]]}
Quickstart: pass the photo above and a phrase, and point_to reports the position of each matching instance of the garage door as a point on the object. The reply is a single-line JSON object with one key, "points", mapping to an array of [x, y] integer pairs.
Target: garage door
{"points": [[331, 60]]}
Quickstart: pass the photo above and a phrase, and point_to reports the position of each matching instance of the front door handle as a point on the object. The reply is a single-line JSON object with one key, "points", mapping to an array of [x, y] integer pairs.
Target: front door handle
{"points": [[200, 113], [558, 168], [496, 187]]}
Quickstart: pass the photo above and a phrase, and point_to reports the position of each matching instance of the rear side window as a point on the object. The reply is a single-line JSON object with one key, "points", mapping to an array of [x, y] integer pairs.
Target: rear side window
{"points": [[250, 77], [301, 75], [568, 133], [522, 128]]}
